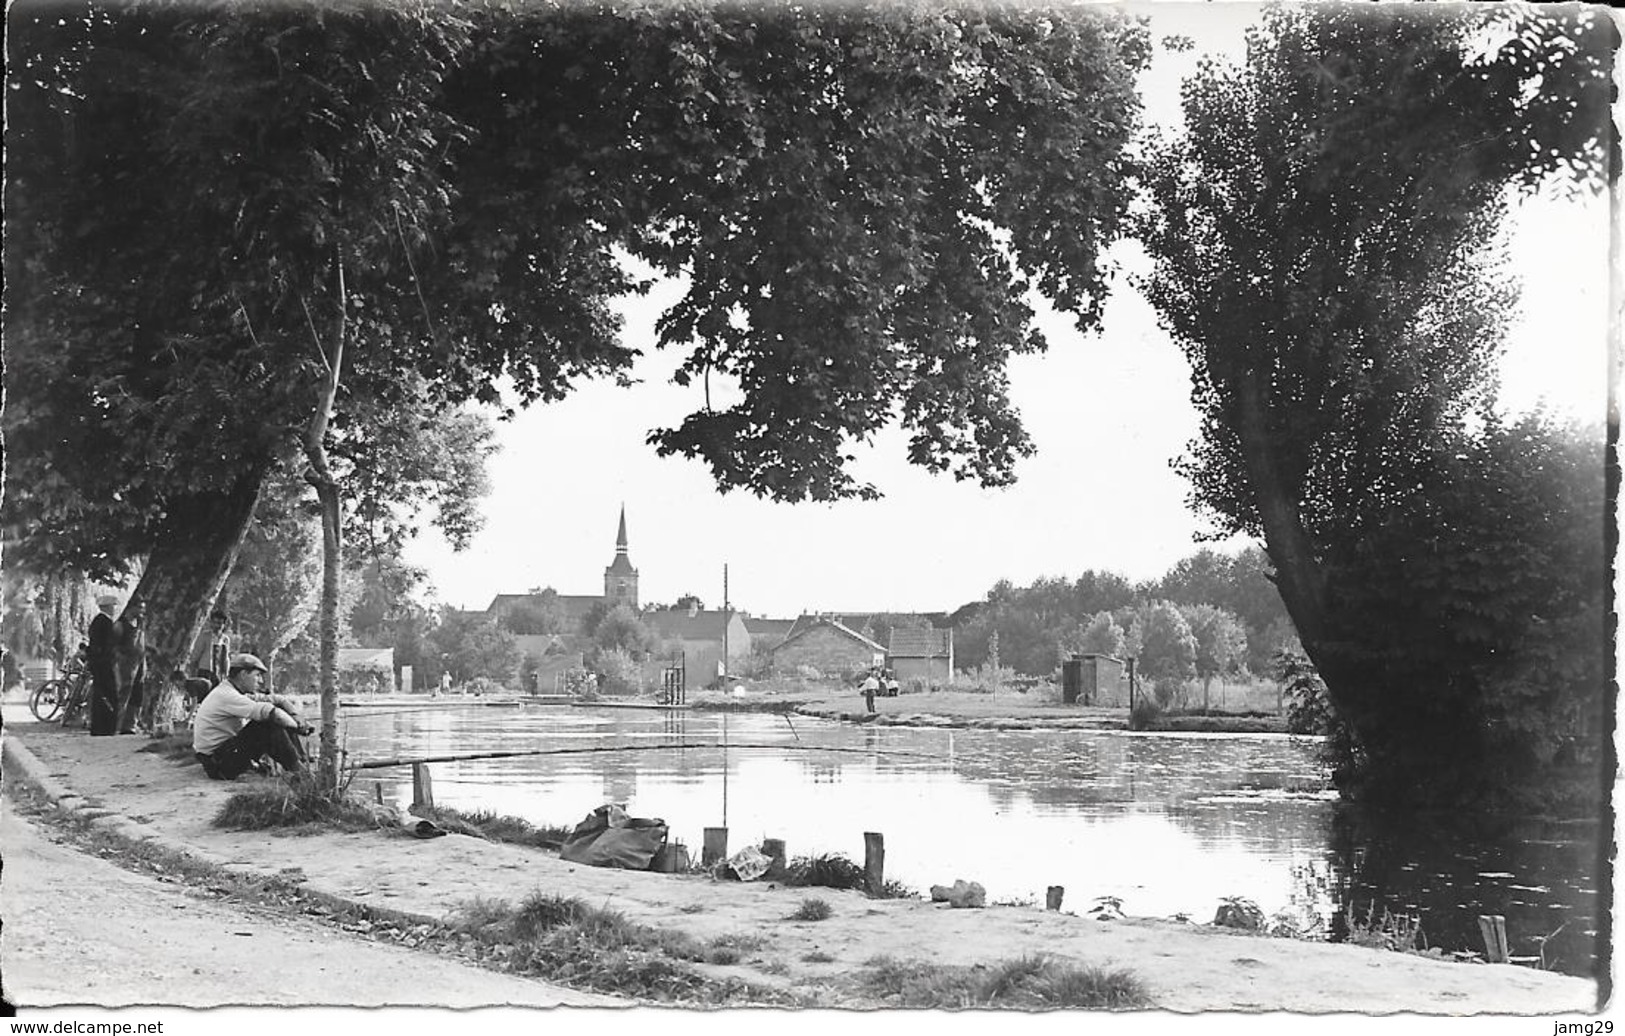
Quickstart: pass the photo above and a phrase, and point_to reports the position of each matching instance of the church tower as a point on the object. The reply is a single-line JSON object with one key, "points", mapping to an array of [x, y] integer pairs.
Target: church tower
{"points": [[620, 578]]}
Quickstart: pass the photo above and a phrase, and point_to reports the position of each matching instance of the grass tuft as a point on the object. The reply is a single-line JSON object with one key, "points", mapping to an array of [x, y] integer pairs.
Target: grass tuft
{"points": [[813, 910], [296, 801], [493, 827], [1024, 982], [835, 871]]}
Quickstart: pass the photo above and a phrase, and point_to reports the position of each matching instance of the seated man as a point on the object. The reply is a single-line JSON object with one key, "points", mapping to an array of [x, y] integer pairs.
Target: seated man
{"points": [[236, 724]]}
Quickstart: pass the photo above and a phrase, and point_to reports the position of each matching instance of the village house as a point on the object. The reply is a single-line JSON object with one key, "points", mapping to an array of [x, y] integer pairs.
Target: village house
{"points": [[827, 645], [704, 638]]}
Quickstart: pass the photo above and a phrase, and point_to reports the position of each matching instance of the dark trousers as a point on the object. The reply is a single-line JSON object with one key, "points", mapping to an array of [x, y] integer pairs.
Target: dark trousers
{"points": [[103, 701], [130, 698], [260, 737]]}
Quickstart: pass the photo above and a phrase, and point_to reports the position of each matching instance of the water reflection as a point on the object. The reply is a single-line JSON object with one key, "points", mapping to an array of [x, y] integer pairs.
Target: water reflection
{"points": [[1168, 824], [1538, 874]]}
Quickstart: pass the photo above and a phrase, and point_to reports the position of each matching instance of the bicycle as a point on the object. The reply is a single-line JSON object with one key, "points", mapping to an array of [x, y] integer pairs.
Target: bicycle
{"points": [[67, 696]]}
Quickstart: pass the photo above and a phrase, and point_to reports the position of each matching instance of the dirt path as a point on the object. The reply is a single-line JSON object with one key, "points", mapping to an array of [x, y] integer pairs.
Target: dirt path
{"points": [[80, 930], [1187, 968]]}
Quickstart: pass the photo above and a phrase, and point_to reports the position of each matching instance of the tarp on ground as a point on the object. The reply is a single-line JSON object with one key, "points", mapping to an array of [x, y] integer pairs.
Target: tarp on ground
{"points": [[607, 837]]}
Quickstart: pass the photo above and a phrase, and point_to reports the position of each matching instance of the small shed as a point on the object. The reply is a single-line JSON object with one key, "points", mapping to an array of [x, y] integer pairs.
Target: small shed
{"points": [[1094, 680]]}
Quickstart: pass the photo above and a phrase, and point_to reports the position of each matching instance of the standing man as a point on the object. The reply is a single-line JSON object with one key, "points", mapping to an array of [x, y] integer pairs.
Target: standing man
{"points": [[236, 724], [220, 646], [99, 656], [871, 684], [130, 664]]}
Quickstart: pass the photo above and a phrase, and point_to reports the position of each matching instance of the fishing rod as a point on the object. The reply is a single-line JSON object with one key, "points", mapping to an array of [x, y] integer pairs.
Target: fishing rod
{"points": [[380, 764]]}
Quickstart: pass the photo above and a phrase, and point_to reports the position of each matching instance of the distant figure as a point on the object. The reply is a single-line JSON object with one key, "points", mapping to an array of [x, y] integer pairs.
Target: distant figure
{"points": [[129, 665], [870, 685], [99, 657], [219, 643], [892, 687]]}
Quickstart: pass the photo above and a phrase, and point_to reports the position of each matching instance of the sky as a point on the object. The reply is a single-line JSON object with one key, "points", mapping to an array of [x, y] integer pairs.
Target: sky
{"points": [[1108, 413]]}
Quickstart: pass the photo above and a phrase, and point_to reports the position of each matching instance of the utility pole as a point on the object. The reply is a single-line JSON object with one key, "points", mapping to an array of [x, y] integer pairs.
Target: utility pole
{"points": [[727, 617]]}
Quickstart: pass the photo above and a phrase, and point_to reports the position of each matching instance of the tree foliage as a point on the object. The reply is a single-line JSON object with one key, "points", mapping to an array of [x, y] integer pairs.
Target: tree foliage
{"points": [[1167, 650], [474, 647], [1103, 636], [543, 613], [1324, 236], [1221, 643], [272, 593], [205, 202], [622, 629]]}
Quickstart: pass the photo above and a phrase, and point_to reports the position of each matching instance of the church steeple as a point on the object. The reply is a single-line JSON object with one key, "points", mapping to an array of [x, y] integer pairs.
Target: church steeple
{"points": [[620, 578]]}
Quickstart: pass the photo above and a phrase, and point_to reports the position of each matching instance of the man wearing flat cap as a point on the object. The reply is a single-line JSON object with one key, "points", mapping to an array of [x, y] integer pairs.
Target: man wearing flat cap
{"points": [[236, 724], [99, 657]]}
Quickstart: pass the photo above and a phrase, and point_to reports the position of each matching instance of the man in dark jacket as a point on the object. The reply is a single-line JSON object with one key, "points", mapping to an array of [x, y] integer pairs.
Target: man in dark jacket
{"points": [[129, 664], [99, 656]]}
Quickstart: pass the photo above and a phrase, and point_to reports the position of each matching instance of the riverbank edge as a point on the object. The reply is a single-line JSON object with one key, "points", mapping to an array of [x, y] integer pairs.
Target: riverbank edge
{"points": [[1166, 723], [22, 765]]}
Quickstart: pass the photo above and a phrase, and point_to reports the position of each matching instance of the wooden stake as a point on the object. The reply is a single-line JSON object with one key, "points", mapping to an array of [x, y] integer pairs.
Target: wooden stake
{"points": [[422, 787], [1052, 898], [715, 847], [1494, 929], [378, 792], [874, 861]]}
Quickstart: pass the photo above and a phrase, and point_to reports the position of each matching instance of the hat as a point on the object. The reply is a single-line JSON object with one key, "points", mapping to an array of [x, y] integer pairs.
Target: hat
{"points": [[245, 662], [107, 601]]}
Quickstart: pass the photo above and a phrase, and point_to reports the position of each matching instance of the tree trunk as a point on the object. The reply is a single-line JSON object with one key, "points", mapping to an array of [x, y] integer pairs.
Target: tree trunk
{"points": [[1299, 578], [327, 493], [320, 475], [192, 556]]}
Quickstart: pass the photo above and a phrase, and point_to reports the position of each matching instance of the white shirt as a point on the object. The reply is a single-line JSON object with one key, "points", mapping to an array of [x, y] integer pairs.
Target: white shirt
{"points": [[226, 711]]}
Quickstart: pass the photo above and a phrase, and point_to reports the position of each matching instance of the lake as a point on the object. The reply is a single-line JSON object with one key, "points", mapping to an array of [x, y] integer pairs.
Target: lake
{"points": [[1167, 824]]}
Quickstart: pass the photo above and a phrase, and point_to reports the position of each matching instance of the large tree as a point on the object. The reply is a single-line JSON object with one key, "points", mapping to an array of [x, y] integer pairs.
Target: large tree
{"points": [[239, 230], [1324, 235]]}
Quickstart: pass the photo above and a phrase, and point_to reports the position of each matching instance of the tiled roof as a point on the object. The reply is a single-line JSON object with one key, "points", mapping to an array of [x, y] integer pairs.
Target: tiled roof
{"points": [[769, 627], [680, 625], [575, 605], [803, 628], [918, 643]]}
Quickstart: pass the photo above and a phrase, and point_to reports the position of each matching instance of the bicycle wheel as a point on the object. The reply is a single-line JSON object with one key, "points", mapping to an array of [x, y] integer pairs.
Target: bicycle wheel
{"points": [[47, 700]]}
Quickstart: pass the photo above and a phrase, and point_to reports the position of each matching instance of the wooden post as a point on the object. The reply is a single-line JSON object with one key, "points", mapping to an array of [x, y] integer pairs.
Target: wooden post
{"points": [[874, 861], [378, 792], [715, 847], [773, 848], [422, 787], [1052, 899], [1494, 929]]}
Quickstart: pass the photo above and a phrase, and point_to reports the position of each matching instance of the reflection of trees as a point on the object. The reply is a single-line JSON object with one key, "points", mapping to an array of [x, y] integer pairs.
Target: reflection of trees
{"points": [[1433, 865]]}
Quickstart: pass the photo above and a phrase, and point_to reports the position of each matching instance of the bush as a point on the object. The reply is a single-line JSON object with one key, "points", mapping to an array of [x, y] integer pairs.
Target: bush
{"points": [[1145, 713], [813, 910], [831, 870], [618, 672], [1308, 707], [1239, 912]]}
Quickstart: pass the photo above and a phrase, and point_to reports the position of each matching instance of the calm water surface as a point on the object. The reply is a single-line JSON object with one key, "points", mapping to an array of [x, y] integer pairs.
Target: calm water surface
{"points": [[1168, 824]]}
